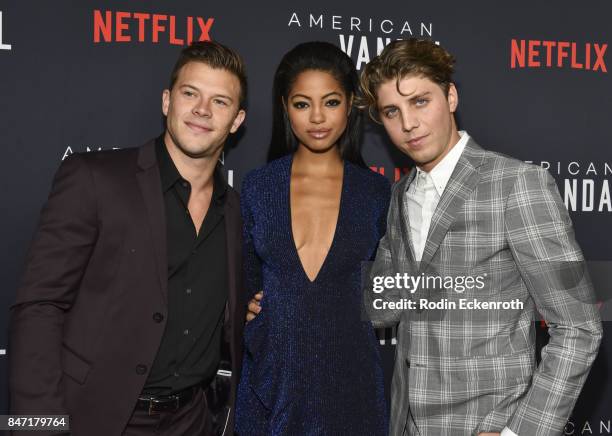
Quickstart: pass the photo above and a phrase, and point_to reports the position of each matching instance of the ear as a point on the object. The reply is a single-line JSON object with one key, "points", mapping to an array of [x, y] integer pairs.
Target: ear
{"points": [[453, 97], [165, 101], [238, 120]]}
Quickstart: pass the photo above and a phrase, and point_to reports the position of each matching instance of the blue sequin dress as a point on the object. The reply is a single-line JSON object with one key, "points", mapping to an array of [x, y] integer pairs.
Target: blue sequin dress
{"points": [[311, 365]]}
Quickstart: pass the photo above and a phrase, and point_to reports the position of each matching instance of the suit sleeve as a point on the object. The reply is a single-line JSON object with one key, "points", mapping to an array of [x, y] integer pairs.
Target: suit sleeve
{"points": [[55, 264], [540, 235], [251, 262], [376, 296]]}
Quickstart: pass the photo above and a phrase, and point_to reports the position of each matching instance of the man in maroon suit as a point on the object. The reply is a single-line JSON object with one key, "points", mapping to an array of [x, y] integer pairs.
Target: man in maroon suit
{"points": [[131, 296]]}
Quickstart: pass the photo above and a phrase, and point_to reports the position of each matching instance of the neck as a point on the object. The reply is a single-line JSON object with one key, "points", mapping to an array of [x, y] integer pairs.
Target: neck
{"points": [[453, 140], [197, 171], [306, 160]]}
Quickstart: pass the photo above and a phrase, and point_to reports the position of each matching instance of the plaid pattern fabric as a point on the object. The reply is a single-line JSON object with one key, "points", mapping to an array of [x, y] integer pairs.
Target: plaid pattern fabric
{"points": [[462, 372]]}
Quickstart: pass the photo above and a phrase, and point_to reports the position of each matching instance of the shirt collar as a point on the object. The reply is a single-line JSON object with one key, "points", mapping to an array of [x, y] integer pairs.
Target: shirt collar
{"points": [[441, 173], [170, 175], [167, 170]]}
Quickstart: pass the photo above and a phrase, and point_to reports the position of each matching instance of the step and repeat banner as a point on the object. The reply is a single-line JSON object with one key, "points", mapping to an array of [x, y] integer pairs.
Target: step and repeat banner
{"points": [[533, 81]]}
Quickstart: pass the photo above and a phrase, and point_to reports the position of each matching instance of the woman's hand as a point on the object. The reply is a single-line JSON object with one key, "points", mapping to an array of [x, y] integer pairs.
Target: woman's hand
{"points": [[254, 306]]}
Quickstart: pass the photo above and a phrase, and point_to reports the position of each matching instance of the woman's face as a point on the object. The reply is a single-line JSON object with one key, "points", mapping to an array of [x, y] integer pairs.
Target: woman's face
{"points": [[318, 110]]}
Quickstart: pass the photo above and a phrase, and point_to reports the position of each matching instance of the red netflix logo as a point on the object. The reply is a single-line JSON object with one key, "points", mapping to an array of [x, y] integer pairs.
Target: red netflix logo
{"points": [[558, 54], [397, 174], [109, 26]]}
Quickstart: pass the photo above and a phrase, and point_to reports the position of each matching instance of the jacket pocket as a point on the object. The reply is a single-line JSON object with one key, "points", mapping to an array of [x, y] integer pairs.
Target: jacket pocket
{"points": [[504, 367]]}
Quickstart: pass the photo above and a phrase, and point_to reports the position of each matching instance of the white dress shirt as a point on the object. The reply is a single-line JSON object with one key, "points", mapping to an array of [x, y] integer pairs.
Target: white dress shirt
{"points": [[422, 197]]}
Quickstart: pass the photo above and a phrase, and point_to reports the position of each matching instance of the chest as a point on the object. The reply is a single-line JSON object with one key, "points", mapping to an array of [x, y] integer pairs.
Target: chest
{"points": [[314, 209], [471, 230], [344, 223]]}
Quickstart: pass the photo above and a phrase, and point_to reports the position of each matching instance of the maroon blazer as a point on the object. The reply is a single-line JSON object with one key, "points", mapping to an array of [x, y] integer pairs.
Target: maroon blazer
{"points": [[85, 328]]}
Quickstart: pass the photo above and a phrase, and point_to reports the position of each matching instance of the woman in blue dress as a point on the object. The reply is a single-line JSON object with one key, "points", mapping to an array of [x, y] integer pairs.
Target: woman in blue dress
{"points": [[311, 217]]}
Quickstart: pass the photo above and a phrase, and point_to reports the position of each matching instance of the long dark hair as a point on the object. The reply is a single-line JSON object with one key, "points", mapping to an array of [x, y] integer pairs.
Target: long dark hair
{"points": [[319, 56]]}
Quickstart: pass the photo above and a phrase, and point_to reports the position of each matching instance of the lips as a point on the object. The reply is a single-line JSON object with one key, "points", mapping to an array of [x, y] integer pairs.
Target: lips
{"points": [[319, 133], [198, 127], [416, 142]]}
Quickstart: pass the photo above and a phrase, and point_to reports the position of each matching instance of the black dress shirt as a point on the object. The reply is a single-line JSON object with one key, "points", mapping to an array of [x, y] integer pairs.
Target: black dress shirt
{"points": [[190, 349]]}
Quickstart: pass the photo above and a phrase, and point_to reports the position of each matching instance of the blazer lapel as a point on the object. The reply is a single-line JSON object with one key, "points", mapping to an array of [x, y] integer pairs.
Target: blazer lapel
{"points": [[233, 229], [462, 182], [149, 182], [404, 219]]}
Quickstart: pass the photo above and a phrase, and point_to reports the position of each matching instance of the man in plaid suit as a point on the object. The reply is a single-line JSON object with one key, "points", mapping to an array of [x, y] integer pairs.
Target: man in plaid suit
{"points": [[496, 229]]}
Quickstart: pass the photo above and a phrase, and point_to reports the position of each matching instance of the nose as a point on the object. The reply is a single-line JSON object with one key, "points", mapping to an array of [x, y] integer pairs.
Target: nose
{"points": [[202, 108], [409, 121], [316, 115]]}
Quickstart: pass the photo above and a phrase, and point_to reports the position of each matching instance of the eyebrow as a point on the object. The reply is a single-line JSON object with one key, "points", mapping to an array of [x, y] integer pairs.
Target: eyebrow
{"points": [[416, 97], [423, 94], [186, 85], [325, 96]]}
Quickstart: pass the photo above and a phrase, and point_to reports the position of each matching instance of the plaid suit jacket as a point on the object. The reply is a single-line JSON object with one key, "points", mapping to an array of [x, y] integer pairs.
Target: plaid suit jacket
{"points": [[466, 371]]}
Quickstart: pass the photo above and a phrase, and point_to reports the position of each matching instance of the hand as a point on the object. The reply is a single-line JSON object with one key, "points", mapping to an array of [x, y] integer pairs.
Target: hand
{"points": [[254, 306]]}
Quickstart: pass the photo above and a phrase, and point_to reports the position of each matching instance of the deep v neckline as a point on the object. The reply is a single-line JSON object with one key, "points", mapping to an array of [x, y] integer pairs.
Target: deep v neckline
{"points": [[336, 229]]}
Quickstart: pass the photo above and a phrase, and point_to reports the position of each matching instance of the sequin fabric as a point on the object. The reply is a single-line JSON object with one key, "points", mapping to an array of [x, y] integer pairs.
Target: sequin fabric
{"points": [[311, 365]]}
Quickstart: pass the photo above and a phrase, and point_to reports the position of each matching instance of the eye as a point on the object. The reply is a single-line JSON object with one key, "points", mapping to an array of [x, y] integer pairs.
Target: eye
{"points": [[421, 101], [390, 112], [300, 105], [188, 93], [333, 102], [220, 102]]}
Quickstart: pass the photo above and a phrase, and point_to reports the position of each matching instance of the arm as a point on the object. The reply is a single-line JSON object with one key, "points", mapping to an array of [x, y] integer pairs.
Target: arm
{"points": [[541, 238], [57, 259]]}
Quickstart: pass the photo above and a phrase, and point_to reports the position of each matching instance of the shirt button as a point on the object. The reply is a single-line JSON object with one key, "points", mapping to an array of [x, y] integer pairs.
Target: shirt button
{"points": [[186, 332], [188, 290], [141, 369], [158, 317], [132, 250], [185, 184], [176, 374]]}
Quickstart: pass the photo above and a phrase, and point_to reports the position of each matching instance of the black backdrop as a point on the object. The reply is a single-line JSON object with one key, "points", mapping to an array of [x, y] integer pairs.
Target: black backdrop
{"points": [[79, 76]]}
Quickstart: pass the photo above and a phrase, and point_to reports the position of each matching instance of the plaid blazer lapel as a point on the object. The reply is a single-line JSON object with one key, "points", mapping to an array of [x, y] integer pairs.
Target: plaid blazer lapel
{"points": [[459, 187], [404, 221]]}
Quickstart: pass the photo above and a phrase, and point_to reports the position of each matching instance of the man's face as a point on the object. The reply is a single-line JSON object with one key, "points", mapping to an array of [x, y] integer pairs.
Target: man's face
{"points": [[419, 118], [202, 109]]}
